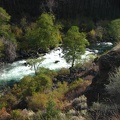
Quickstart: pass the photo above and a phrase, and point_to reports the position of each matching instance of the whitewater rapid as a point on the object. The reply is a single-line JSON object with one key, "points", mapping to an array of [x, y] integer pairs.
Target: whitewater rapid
{"points": [[17, 70]]}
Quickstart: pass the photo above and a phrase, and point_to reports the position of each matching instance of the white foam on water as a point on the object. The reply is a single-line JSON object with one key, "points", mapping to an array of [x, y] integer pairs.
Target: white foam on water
{"points": [[105, 43], [17, 70]]}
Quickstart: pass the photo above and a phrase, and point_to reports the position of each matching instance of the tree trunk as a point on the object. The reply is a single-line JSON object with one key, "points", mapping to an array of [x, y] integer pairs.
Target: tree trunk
{"points": [[73, 60]]}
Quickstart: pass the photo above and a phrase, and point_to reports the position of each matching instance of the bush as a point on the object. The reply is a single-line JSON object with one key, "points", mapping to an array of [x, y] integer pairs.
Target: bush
{"points": [[92, 36], [64, 71], [44, 82], [76, 83], [113, 87], [38, 101], [8, 100], [103, 111], [15, 114], [47, 72], [30, 85], [51, 110], [60, 91], [27, 86]]}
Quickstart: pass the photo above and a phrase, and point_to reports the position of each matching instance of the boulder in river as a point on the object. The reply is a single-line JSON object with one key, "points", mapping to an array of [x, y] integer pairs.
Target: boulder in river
{"points": [[56, 61]]}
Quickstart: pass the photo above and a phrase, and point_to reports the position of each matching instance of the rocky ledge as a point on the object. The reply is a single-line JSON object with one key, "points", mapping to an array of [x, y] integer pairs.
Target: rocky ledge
{"points": [[107, 63]]}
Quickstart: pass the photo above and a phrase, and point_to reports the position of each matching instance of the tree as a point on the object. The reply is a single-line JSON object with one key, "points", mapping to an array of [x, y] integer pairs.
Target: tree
{"points": [[4, 16], [74, 44], [5, 27], [7, 38], [45, 34], [114, 29], [35, 63]]}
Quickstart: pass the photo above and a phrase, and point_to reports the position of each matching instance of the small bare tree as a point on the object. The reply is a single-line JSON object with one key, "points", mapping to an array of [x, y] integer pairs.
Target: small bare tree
{"points": [[35, 63]]}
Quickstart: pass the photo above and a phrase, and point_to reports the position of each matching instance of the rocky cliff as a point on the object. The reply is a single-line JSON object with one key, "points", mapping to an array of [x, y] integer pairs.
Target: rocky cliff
{"points": [[107, 63]]}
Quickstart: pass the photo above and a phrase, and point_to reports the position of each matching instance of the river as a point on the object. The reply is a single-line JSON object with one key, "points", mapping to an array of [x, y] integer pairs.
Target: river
{"points": [[17, 70]]}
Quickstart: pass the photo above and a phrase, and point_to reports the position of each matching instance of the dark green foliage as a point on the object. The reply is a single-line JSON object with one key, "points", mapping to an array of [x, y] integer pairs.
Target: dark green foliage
{"points": [[45, 34], [114, 30]]}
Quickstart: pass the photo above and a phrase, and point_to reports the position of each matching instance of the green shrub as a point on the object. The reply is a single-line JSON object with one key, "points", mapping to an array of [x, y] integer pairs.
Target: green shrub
{"points": [[51, 110], [8, 100], [60, 91], [27, 86], [76, 83], [114, 29], [3, 104], [47, 72], [63, 71], [15, 114], [44, 82], [38, 101]]}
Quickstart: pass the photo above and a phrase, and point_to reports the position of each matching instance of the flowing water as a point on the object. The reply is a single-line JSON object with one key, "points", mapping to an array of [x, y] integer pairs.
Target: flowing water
{"points": [[17, 70]]}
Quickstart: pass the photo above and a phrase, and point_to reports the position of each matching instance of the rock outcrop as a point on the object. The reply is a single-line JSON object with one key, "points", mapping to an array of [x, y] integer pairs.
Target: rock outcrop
{"points": [[107, 63]]}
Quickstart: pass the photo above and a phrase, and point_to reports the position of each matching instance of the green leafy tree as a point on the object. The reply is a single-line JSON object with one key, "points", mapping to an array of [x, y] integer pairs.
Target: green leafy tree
{"points": [[7, 38], [45, 34], [4, 16], [5, 27], [114, 29], [74, 44]]}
